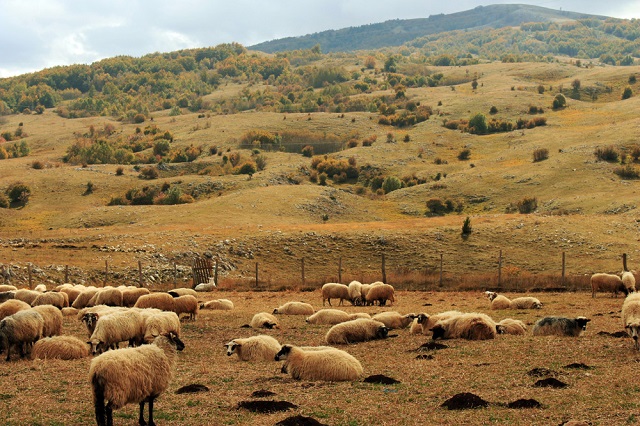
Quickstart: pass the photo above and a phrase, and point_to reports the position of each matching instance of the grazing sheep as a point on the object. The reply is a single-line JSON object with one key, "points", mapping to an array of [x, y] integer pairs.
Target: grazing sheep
{"points": [[560, 326], [60, 347], [607, 282], [107, 296], [52, 317], [116, 327], [335, 291], [25, 295], [294, 308], [426, 322], [498, 301], [72, 292], [132, 375], [470, 326], [219, 304], [380, 293], [358, 330], [69, 312], [332, 365], [501, 302], [631, 317], [89, 316], [131, 295], [254, 348], [355, 293], [7, 295], [364, 289], [12, 306], [158, 323], [82, 300], [176, 292], [162, 301], [334, 316], [21, 329], [264, 320], [394, 320], [629, 281], [7, 287], [186, 305], [59, 300], [511, 326], [41, 288]]}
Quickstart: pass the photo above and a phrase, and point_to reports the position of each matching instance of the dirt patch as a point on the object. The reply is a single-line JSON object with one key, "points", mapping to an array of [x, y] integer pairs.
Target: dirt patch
{"points": [[617, 334], [266, 406], [578, 366], [381, 380], [432, 346], [463, 401], [550, 383], [193, 388], [299, 421], [524, 403], [541, 372], [425, 356], [262, 393]]}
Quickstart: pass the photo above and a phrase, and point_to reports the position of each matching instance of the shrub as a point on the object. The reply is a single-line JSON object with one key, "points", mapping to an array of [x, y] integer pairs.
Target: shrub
{"points": [[352, 143], [261, 161], [608, 153], [406, 138], [559, 101], [18, 192], [120, 171], [627, 171], [322, 179], [247, 168], [540, 154], [149, 172], [541, 89], [37, 164], [436, 206], [391, 183], [213, 150], [493, 110], [465, 154], [466, 227], [527, 205], [307, 151], [4, 201], [138, 118], [369, 141], [89, 189], [161, 148], [478, 124], [627, 93], [391, 137]]}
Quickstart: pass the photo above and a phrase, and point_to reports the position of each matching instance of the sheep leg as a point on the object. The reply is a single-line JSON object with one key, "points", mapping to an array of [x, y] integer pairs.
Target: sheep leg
{"points": [[109, 412], [151, 423], [8, 350], [141, 421]]}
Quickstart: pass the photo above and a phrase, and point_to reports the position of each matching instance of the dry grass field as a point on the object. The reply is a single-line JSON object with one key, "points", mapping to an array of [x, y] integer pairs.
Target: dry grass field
{"points": [[58, 393]]}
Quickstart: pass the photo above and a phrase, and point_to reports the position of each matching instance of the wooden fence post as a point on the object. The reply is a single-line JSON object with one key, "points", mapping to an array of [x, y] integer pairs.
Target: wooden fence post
{"points": [[440, 283], [66, 273], [215, 273], [302, 263], [175, 274], [30, 276], [256, 274], [384, 271], [140, 283], [500, 269], [340, 269], [562, 282]]}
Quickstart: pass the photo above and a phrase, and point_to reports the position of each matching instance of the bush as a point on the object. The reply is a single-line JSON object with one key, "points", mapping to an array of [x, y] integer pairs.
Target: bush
{"points": [[149, 172], [120, 171], [322, 179], [437, 207], [161, 147], [559, 101], [465, 154], [527, 205], [4, 201], [478, 124], [37, 164], [261, 161], [18, 192], [466, 227], [627, 93], [628, 171], [540, 154], [89, 189], [138, 118], [307, 151], [609, 154], [247, 168], [391, 183], [493, 110]]}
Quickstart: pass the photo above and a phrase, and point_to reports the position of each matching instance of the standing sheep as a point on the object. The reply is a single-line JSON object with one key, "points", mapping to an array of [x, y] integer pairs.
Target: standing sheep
{"points": [[394, 320], [59, 300], [27, 296], [629, 281], [264, 320], [294, 308], [607, 282], [132, 375], [107, 296], [21, 329], [358, 330], [334, 316], [52, 317], [82, 300], [560, 326], [511, 326], [380, 293], [332, 365], [7, 295], [335, 291], [186, 305], [111, 329], [470, 326], [158, 323], [60, 347], [254, 348], [355, 293], [219, 304], [162, 301], [131, 295], [12, 306], [631, 317]]}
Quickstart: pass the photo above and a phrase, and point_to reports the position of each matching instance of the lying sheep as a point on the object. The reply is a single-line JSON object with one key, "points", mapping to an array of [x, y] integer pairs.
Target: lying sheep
{"points": [[59, 300], [132, 375], [355, 293], [52, 317], [210, 286], [394, 320], [12, 306], [560, 326], [631, 317], [264, 320], [294, 308], [131, 295], [186, 305], [358, 330], [60, 347], [27, 296], [470, 326], [21, 329], [427, 322], [254, 348], [332, 365], [511, 326], [177, 292], [334, 316], [335, 291], [219, 304], [116, 327], [607, 282], [502, 302], [158, 323], [498, 301], [162, 301], [629, 281], [380, 293]]}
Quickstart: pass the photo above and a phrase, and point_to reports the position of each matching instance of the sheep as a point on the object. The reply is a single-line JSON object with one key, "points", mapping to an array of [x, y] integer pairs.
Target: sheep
{"points": [[560, 326], [52, 317], [60, 347], [335, 291], [186, 305], [358, 330], [498, 301], [631, 317], [26, 295], [380, 293], [72, 292], [132, 375], [7, 287], [162, 301], [69, 312], [59, 300], [40, 288], [294, 308], [332, 365], [210, 286], [607, 282], [158, 323], [264, 320], [254, 348], [117, 327], [501, 302], [130, 295], [183, 292], [511, 326], [22, 329], [219, 304], [470, 326], [426, 322], [107, 296], [7, 295], [334, 316], [394, 319], [629, 281], [12, 306], [89, 316], [355, 293], [82, 300]]}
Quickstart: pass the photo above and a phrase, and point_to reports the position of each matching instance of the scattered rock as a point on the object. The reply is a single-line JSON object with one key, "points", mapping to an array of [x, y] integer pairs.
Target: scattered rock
{"points": [[381, 380], [299, 421], [463, 401], [578, 366], [524, 403], [550, 383], [541, 372], [262, 393], [266, 406], [193, 388]]}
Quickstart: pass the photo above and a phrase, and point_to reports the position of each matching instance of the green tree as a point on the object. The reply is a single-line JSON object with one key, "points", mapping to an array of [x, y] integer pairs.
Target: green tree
{"points": [[627, 93], [478, 124], [559, 101], [391, 183]]}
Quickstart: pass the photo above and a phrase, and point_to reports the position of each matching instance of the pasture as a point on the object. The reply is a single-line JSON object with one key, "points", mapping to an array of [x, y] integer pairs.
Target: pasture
{"points": [[56, 392]]}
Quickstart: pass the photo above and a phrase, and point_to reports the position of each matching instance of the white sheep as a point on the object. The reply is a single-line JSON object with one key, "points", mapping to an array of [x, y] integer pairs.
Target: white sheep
{"points": [[69, 312], [629, 281], [511, 326], [331, 365], [394, 320], [162, 301], [59, 300], [355, 293], [116, 327], [27, 296], [41, 288], [335, 291], [294, 308], [631, 317], [607, 282], [186, 304], [21, 329], [334, 316], [109, 296], [132, 375], [264, 320], [176, 292], [219, 304], [158, 323], [131, 295], [560, 326], [358, 330], [71, 291], [470, 326], [7, 287], [210, 286], [82, 300], [427, 322], [60, 347], [89, 316], [52, 317], [12, 306], [380, 293], [498, 301], [254, 348], [502, 302]]}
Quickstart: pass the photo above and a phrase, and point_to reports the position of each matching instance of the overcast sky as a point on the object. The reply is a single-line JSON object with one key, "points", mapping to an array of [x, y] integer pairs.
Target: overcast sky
{"points": [[38, 34]]}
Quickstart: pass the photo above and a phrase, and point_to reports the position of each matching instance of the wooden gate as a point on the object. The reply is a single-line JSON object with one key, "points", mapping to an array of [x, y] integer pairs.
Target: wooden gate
{"points": [[202, 271]]}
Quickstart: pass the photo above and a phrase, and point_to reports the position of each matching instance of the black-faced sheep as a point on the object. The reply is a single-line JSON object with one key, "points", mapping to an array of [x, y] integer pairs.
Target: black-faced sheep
{"points": [[511, 326], [358, 330], [380, 293], [52, 317], [629, 281], [331, 365], [60, 347], [59, 300], [158, 323], [132, 375], [394, 320], [631, 317], [219, 304], [7, 295], [560, 326], [162, 301], [607, 282], [254, 348], [335, 291], [427, 322], [111, 329], [470, 326], [12, 306], [21, 329], [186, 304], [177, 292], [334, 316], [355, 293], [264, 320], [294, 308]]}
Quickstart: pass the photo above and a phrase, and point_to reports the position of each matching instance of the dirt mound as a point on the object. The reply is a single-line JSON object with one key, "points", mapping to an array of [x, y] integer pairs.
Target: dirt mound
{"points": [[262, 393], [541, 372], [432, 346], [578, 366], [463, 401], [381, 380], [424, 356], [299, 421], [266, 406], [618, 334], [524, 403], [192, 388], [550, 383]]}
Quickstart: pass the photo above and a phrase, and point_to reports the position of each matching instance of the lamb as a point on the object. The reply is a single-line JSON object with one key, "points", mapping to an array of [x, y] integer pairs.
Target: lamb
{"points": [[117, 327], [264, 320], [60, 347], [380, 293], [335, 291], [186, 305], [511, 326], [176, 292], [294, 308], [502, 302], [560, 326], [210, 286], [631, 317], [59, 300], [131, 295], [470, 326], [394, 320], [355, 293], [21, 329], [334, 316], [607, 282], [25, 295], [12, 306], [158, 323], [82, 300], [132, 375], [219, 304], [40, 288], [332, 365], [629, 281], [107, 296], [52, 317], [498, 301], [358, 330], [254, 348], [427, 322]]}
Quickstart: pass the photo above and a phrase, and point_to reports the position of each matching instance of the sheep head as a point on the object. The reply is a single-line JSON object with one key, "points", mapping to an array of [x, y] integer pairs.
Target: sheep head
{"points": [[491, 295], [422, 318], [582, 322], [284, 352], [633, 329], [231, 347], [438, 332]]}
